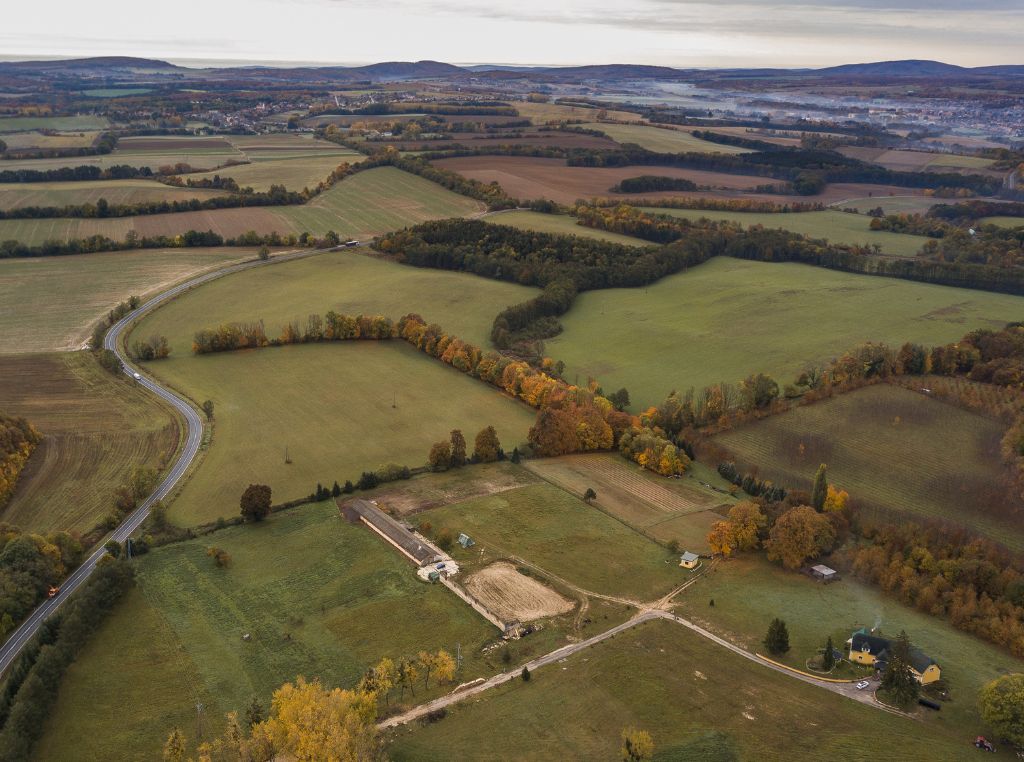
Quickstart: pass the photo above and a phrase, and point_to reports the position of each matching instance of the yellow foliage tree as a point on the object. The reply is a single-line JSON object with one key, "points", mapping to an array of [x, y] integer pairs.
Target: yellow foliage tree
{"points": [[311, 723], [836, 500], [721, 538]]}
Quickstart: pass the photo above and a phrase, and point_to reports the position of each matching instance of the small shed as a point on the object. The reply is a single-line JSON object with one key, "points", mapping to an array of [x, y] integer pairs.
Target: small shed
{"points": [[824, 573], [689, 560], [465, 540]]}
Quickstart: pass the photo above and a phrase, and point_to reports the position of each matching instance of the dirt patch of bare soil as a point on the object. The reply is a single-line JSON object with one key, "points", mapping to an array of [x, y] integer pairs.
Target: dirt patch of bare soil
{"points": [[513, 596]]}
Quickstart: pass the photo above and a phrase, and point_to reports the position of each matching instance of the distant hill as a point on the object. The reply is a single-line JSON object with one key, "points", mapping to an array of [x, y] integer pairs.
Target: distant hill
{"points": [[911, 68], [98, 62], [405, 70]]}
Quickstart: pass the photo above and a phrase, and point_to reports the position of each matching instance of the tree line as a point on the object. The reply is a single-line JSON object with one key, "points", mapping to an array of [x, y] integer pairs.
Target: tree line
{"points": [[653, 184], [102, 145], [18, 440], [188, 239]]}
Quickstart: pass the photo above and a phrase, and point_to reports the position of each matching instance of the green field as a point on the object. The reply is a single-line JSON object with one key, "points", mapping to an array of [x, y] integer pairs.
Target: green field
{"points": [[562, 535], [19, 195], [331, 406], [294, 173], [940, 461], [343, 281], [1003, 222], [116, 92], [892, 204], [661, 140], [96, 428], [320, 597], [837, 227], [729, 318], [698, 702], [560, 224], [749, 592], [361, 206], [66, 123], [52, 303], [37, 140]]}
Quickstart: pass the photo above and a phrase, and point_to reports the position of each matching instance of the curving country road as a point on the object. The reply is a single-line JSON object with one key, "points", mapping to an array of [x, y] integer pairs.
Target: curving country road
{"points": [[17, 640]]}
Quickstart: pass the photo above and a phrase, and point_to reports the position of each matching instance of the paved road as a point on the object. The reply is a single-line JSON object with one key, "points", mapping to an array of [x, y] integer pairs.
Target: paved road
{"points": [[194, 422]]}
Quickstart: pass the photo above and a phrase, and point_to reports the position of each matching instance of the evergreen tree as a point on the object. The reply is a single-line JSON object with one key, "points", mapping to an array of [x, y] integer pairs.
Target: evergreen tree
{"points": [[336, 490], [777, 639], [820, 490], [898, 681], [349, 487], [828, 661], [526, 674], [515, 454], [254, 714], [458, 457]]}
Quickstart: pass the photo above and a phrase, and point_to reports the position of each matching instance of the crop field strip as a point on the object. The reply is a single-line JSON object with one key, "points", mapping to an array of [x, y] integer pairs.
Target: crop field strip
{"points": [[361, 206], [19, 195], [728, 318], [940, 461], [96, 427], [660, 139], [837, 227], [86, 287]]}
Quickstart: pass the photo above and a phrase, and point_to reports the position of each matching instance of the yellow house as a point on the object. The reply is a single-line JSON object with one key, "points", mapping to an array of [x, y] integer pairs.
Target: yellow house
{"points": [[873, 651]]}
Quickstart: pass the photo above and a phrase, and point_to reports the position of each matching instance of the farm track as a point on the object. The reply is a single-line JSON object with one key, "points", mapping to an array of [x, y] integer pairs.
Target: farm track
{"points": [[24, 633], [656, 610]]}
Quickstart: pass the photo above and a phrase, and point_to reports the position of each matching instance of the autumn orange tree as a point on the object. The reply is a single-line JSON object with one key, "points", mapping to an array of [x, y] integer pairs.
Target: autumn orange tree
{"points": [[741, 531], [799, 534]]}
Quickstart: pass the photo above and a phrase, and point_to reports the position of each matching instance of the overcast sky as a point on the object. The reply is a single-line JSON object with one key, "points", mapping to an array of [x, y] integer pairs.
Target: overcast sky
{"points": [[681, 33]]}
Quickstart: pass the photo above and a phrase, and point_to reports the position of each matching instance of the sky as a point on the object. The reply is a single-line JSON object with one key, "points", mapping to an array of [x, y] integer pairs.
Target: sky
{"points": [[681, 33]]}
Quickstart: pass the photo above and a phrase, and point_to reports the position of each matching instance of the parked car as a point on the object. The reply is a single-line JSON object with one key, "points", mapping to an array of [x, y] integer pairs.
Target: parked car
{"points": [[862, 685]]}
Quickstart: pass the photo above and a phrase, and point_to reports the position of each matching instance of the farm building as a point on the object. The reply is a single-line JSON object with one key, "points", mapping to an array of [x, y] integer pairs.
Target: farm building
{"points": [[873, 651], [824, 573], [411, 545], [689, 560]]}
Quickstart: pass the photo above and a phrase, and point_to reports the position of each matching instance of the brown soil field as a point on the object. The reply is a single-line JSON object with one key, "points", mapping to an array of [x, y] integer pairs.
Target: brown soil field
{"points": [[528, 177], [96, 428], [512, 596], [552, 139], [172, 144]]}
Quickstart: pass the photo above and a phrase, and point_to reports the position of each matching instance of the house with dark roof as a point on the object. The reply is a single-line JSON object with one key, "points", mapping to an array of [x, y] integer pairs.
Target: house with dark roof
{"points": [[875, 651]]}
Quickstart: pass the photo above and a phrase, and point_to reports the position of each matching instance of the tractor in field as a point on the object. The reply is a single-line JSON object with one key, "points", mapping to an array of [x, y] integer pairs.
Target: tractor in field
{"points": [[982, 744]]}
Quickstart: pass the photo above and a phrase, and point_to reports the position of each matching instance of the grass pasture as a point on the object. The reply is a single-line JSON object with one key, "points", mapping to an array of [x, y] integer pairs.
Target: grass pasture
{"points": [[749, 592], [96, 427], [661, 140], [19, 195], [698, 702], [892, 204], [837, 227], [560, 224], [729, 318], [1004, 222], [664, 509], [320, 597], [361, 206], [52, 303], [939, 461], [331, 406], [561, 534], [344, 281]]}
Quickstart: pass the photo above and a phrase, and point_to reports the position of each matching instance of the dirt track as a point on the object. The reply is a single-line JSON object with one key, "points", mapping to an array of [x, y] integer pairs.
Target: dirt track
{"points": [[513, 596]]}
